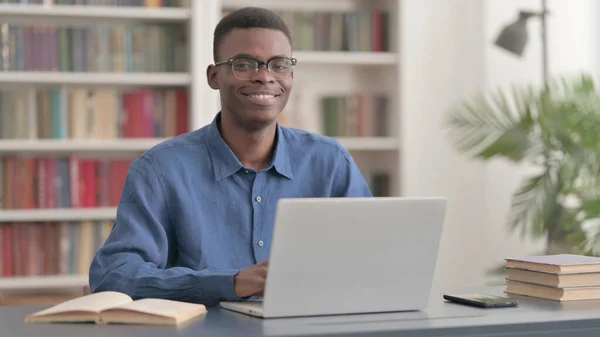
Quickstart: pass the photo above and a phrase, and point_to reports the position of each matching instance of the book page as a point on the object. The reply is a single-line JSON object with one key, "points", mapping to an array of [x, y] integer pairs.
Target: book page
{"points": [[165, 308], [89, 303]]}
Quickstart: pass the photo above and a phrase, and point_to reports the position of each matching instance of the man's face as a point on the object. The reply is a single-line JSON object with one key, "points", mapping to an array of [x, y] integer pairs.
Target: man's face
{"points": [[256, 102]]}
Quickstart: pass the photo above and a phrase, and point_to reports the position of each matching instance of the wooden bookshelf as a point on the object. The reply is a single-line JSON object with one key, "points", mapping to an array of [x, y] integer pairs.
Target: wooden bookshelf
{"points": [[66, 146], [51, 282], [58, 214], [91, 14], [369, 143], [320, 73], [34, 78], [141, 145], [41, 290], [383, 59]]}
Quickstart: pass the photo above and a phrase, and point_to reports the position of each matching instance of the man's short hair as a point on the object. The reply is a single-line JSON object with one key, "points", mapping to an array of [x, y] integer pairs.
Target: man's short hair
{"points": [[248, 17]]}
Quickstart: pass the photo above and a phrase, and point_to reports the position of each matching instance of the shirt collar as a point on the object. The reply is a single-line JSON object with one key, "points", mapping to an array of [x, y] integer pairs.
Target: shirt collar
{"points": [[225, 163]]}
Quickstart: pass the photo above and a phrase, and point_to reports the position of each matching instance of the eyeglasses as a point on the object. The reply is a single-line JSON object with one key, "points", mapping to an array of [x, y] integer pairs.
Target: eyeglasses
{"points": [[246, 67]]}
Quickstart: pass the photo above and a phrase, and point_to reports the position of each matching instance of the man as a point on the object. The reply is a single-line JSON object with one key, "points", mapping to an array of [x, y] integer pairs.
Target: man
{"points": [[196, 214]]}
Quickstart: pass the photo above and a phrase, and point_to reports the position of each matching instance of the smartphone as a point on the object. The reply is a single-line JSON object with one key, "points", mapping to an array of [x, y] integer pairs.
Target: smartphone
{"points": [[482, 300]]}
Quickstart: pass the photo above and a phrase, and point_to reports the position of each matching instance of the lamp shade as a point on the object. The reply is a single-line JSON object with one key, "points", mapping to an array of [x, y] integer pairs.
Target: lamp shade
{"points": [[514, 37]]}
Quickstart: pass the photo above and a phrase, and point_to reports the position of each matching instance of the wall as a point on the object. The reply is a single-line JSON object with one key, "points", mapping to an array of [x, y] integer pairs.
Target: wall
{"points": [[447, 54], [573, 44], [574, 37], [442, 55]]}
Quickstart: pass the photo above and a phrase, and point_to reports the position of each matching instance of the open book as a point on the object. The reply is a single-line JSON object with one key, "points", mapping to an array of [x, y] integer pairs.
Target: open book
{"points": [[114, 307]]}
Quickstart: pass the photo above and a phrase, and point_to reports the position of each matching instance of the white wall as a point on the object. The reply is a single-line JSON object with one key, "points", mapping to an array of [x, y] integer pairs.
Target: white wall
{"points": [[447, 54], [502, 70], [442, 55], [574, 46], [574, 37]]}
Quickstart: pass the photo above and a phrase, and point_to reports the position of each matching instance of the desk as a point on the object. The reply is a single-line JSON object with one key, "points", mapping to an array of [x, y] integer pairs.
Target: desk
{"points": [[532, 318]]}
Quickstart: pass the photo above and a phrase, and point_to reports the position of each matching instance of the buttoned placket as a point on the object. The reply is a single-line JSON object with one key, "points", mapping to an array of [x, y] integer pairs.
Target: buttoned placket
{"points": [[258, 217]]}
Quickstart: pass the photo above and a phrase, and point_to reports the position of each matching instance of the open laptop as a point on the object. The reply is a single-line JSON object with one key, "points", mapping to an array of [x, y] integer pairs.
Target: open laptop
{"points": [[332, 256]]}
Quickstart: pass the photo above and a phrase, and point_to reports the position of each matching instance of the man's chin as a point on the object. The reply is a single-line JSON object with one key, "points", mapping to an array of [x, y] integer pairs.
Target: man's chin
{"points": [[260, 120]]}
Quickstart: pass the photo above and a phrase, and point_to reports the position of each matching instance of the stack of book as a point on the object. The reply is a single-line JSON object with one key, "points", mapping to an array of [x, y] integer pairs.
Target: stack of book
{"points": [[562, 277]]}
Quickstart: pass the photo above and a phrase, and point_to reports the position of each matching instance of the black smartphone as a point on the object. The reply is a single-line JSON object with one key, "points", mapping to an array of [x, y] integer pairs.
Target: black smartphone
{"points": [[482, 300]]}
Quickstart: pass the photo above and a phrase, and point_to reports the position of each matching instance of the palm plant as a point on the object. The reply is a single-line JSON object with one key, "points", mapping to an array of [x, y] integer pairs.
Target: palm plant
{"points": [[555, 129]]}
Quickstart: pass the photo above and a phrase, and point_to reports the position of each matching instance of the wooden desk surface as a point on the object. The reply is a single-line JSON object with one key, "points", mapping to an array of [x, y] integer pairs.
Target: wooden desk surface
{"points": [[532, 318]]}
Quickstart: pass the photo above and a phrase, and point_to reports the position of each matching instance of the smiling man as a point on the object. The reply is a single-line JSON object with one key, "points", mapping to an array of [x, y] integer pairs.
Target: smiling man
{"points": [[196, 215]]}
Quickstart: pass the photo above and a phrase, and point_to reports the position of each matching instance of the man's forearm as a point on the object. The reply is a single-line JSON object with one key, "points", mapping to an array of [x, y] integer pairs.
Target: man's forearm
{"points": [[143, 280], [135, 258]]}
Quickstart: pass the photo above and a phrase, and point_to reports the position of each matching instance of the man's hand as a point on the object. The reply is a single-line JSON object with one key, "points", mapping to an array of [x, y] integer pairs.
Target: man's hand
{"points": [[251, 281]]}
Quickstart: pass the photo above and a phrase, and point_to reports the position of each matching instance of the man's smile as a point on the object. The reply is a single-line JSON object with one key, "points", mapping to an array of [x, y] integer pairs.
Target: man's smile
{"points": [[261, 97]]}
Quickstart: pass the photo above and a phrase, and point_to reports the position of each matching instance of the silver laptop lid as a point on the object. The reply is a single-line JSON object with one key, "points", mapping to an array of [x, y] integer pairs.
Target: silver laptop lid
{"points": [[353, 255]]}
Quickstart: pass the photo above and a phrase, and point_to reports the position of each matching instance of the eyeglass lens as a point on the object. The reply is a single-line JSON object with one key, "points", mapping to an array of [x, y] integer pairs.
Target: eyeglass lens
{"points": [[246, 68]]}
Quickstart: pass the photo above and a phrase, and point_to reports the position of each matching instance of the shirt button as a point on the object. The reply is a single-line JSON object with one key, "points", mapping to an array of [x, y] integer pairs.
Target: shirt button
{"points": [[258, 199], [261, 243]]}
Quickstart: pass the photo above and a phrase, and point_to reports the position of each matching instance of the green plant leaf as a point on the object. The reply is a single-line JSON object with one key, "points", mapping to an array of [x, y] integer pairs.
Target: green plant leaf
{"points": [[590, 209], [513, 144], [556, 129], [494, 125], [534, 203]]}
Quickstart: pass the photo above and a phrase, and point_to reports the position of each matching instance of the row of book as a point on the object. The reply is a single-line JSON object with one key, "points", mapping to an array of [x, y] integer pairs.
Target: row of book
{"points": [[365, 30], [136, 3], [559, 277], [50, 248], [128, 48], [101, 113], [79, 182], [357, 115], [61, 182]]}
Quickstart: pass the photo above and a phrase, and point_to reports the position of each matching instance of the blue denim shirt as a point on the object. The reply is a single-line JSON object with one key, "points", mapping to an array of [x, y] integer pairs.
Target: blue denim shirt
{"points": [[191, 215]]}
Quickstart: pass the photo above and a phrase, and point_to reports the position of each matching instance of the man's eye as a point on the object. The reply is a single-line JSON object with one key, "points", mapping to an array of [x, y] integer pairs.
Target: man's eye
{"points": [[244, 66]]}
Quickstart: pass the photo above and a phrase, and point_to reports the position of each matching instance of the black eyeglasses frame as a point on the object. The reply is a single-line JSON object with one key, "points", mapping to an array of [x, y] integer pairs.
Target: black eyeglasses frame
{"points": [[259, 63]]}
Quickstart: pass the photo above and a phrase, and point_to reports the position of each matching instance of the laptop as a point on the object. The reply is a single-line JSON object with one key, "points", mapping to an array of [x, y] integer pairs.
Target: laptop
{"points": [[335, 256]]}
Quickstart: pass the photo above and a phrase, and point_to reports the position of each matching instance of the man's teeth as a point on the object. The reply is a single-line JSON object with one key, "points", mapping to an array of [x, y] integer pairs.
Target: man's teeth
{"points": [[262, 96]]}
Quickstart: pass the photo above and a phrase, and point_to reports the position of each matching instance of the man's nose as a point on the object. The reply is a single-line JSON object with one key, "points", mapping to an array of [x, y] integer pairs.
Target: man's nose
{"points": [[263, 75]]}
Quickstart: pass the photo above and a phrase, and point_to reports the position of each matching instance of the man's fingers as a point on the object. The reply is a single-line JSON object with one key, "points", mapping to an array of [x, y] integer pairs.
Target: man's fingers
{"points": [[264, 263], [262, 271]]}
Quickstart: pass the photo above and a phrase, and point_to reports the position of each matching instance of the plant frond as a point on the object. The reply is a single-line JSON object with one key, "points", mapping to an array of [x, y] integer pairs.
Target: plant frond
{"points": [[487, 126], [534, 203]]}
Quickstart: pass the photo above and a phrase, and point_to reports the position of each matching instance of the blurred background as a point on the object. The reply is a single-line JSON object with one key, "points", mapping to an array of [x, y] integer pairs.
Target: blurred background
{"points": [[490, 103]]}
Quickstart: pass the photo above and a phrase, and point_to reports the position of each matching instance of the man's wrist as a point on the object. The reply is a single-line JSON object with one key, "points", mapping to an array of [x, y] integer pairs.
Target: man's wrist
{"points": [[220, 283]]}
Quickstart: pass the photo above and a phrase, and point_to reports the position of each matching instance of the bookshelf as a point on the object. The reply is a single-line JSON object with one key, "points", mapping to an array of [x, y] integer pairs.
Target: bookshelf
{"points": [[344, 76], [52, 215], [343, 58], [36, 78], [79, 146], [48, 282], [91, 13]]}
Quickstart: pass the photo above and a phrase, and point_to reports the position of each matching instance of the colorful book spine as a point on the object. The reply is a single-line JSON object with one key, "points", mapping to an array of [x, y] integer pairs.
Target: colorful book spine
{"points": [[50, 248]]}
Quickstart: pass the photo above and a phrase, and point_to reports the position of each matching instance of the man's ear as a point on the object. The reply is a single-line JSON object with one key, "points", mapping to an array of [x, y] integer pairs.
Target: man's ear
{"points": [[212, 77]]}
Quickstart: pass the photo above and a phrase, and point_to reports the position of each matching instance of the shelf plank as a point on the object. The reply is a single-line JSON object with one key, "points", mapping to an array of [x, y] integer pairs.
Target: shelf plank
{"points": [[369, 143], [304, 5], [141, 145], [79, 145], [346, 58], [66, 214], [90, 14], [43, 282], [93, 79]]}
